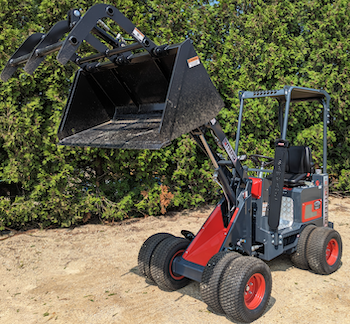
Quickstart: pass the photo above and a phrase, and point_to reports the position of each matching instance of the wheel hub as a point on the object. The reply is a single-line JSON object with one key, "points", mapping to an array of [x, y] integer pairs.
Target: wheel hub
{"points": [[254, 291], [332, 252], [172, 273]]}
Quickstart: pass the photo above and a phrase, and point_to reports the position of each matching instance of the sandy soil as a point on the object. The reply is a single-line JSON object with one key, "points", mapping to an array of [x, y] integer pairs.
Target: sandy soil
{"points": [[89, 274]]}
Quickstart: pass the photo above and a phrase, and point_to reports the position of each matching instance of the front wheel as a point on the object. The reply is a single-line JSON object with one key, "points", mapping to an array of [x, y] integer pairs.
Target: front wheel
{"points": [[146, 251], [245, 289], [162, 263], [212, 277]]}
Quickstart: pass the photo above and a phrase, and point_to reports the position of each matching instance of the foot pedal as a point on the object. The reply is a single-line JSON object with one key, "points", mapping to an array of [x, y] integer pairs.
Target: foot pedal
{"points": [[188, 235]]}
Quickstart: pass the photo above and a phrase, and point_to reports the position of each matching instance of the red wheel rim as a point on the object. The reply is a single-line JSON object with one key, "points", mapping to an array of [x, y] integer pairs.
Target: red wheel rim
{"points": [[173, 275], [254, 291], [332, 252]]}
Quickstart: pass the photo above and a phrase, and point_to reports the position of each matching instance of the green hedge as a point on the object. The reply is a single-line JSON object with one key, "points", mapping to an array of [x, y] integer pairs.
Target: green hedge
{"points": [[245, 45]]}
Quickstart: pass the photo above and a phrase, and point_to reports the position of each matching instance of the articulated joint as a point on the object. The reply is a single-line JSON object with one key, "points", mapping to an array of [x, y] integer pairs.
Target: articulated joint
{"points": [[161, 50]]}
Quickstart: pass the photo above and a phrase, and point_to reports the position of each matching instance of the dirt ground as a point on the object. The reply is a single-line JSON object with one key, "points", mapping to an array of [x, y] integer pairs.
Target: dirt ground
{"points": [[89, 274]]}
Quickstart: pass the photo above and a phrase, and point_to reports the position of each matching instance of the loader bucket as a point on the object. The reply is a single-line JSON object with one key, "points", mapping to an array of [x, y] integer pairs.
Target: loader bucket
{"points": [[143, 104]]}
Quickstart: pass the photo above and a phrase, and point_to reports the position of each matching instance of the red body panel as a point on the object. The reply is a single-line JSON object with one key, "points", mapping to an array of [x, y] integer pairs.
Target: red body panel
{"points": [[309, 212], [209, 239], [256, 187]]}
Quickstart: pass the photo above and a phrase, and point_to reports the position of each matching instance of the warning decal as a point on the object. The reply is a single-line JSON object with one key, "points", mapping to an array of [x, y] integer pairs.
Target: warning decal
{"points": [[194, 61], [229, 150], [138, 35]]}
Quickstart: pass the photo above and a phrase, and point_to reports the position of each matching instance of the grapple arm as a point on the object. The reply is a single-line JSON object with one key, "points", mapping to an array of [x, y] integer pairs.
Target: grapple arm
{"points": [[21, 55], [50, 39], [37, 46], [87, 24]]}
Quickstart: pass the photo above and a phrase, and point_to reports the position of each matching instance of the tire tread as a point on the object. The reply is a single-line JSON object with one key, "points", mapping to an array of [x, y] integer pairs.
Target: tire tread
{"points": [[160, 263], [299, 258], [212, 277], [146, 251], [316, 250], [233, 284]]}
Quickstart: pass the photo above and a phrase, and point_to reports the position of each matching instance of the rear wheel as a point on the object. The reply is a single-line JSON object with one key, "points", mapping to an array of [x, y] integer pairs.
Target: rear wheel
{"points": [[162, 263], [146, 251], [324, 250], [212, 277], [299, 256], [245, 289]]}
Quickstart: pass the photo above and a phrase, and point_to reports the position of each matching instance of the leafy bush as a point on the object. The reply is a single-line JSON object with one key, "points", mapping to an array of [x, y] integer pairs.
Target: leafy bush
{"points": [[243, 44]]}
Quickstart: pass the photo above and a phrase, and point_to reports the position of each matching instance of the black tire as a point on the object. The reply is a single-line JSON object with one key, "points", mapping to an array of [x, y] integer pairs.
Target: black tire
{"points": [[212, 277], [299, 256], [245, 289], [146, 251], [161, 263], [324, 250]]}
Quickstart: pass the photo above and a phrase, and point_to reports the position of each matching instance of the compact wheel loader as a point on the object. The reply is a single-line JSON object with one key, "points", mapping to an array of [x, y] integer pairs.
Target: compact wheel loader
{"points": [[137, 95]]}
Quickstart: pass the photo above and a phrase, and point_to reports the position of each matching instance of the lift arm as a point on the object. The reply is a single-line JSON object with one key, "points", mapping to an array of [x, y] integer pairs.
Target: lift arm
{"points": [[227, 180], [215, 126]]}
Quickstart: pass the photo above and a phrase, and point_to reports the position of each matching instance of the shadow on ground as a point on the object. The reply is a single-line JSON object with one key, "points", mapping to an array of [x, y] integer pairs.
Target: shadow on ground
{"points": [[281, 263]]}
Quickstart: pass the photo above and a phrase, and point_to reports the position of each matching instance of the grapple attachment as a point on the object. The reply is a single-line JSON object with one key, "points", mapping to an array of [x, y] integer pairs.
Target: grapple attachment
{"points": [[141, 97]]}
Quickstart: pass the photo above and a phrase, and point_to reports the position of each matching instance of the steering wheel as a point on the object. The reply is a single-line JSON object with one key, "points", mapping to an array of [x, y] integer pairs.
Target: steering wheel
{"points": [[258, 160]]}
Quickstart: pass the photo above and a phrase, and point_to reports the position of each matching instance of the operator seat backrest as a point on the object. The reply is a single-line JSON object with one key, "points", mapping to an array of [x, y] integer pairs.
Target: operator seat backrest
{"points": [[299, 160], [299, 165]]}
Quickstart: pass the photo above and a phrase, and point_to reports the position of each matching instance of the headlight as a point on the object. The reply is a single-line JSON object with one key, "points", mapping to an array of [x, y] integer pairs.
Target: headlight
{"points": [[287, 213]]}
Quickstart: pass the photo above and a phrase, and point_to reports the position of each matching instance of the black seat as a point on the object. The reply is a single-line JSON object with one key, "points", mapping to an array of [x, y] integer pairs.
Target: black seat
{"points": [[299, 166]]}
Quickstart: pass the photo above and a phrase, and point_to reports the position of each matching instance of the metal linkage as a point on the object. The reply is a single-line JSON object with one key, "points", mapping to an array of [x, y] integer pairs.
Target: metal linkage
{"points": [[38, 53], [82, 28], [222, 175], [109, 53], [216, 128]]}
